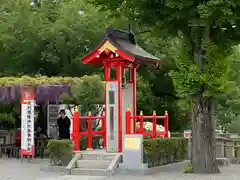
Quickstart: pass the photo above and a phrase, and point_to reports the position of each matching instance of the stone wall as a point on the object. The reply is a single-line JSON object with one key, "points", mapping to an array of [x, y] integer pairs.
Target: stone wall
{"points": [[228, 147]]}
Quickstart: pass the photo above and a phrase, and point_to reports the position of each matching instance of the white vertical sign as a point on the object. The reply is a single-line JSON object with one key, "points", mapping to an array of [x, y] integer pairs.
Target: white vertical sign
{"points": [[27, 135], [27, 121]]}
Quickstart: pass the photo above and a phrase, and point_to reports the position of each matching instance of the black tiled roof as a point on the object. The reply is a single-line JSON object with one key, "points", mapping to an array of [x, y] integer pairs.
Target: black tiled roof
{"points": [[126, 41]]}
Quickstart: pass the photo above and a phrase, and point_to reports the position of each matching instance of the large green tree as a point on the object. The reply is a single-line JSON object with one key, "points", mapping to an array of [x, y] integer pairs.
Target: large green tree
{"points": [[202, 35], [48, 38]]}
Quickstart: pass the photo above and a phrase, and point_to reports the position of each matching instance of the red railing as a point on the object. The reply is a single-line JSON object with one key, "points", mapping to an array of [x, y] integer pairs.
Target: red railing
{"points": [[153, 133], [77, 133]]}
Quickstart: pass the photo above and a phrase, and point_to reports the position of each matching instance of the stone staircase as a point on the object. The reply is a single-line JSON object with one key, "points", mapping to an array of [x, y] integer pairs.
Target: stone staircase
{"points": [[95, 163]]}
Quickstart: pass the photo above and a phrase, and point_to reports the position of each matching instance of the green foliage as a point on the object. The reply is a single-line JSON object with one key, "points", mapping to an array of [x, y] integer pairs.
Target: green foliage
{"points": [[60, 151], [163, 151], [188, 78], [10, 115], [88, 92], [234, 125], [7, 121], [228, 107], [145, 98], [37, 80], [188, 168], [162, 91], [50, 38], [225, 116]]}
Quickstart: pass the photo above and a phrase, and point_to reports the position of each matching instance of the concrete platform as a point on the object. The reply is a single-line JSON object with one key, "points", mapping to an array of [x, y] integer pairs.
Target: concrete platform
{"points": [[15, 170]]}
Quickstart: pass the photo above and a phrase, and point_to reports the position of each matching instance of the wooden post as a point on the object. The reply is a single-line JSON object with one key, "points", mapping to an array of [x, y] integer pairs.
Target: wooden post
{"points": [[154, 125], [141, 128], [166, 124]]}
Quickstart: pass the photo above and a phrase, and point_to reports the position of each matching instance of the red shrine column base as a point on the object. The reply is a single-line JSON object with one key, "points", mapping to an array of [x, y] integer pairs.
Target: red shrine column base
{"points": [[119, 79]]}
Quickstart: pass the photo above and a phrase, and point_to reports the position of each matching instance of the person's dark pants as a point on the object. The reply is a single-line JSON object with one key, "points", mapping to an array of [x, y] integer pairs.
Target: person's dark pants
{"points": [[64, 138], [18, 145]]}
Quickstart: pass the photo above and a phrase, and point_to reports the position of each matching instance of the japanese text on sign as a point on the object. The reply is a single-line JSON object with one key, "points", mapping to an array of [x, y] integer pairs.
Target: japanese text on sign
{"points": [[29, 126]]}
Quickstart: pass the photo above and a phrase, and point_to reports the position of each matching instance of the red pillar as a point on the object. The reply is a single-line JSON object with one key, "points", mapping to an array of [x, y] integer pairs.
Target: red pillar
{"points": [[119, 79], [134, 97], [76, 137]]}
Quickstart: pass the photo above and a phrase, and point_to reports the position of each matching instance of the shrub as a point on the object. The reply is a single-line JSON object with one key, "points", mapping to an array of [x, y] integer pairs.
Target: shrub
{"points": [[234, 126], [188, 168], [84, 142], [60, 151], [7, 121], [161, 151]]}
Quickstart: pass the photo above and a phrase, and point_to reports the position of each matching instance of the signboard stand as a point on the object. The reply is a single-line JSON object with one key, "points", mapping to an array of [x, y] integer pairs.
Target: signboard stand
{"points": [[28, 158], [188, 134], [27, 123]]}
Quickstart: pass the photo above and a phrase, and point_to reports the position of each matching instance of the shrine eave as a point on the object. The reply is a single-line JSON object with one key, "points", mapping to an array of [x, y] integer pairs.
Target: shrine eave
{"points": [[123, 44]]}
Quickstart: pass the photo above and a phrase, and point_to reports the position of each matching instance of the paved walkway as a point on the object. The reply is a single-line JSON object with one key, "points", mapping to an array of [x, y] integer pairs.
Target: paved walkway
{"points": [[15, 170]]}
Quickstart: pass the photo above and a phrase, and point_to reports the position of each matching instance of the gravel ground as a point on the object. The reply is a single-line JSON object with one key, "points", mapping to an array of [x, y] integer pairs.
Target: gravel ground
{"points": [[15, 170]]}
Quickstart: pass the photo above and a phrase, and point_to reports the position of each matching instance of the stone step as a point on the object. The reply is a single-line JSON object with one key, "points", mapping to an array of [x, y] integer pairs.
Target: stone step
{"points": [[89, 172], [93, 164], [106, 157]]}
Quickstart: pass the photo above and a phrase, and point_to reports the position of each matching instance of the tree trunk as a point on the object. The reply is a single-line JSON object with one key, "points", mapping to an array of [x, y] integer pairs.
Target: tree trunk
{"points": [[203, 158]]}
